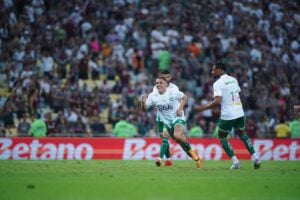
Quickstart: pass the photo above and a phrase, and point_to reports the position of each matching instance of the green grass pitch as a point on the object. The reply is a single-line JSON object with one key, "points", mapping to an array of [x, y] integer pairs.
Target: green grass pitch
{"points": [[137, 180]]}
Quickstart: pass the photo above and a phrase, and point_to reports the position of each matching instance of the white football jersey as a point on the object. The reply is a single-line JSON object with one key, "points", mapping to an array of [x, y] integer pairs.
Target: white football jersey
{"points": [[228, 88], [171, 86], [166, 105]]}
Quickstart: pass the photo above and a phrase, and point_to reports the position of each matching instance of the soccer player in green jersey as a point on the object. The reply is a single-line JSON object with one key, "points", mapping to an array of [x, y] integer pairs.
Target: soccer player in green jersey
{"points": [[226, 93]]}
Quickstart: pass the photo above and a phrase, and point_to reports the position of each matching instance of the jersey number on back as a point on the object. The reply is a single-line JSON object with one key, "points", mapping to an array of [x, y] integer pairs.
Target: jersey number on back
{"points": [[235, 97]]}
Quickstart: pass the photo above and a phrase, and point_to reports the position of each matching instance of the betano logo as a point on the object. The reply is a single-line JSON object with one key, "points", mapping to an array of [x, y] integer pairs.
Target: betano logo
{"points": [[48, 151], [268, 151], [138, 149]]}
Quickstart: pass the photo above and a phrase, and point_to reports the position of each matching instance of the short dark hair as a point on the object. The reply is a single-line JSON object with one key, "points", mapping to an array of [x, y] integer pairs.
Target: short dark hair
{"points": [[220, 65], [164, 72]]}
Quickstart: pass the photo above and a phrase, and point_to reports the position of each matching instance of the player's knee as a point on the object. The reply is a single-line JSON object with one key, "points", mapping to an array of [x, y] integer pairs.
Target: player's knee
{"points": [[177, 136]]}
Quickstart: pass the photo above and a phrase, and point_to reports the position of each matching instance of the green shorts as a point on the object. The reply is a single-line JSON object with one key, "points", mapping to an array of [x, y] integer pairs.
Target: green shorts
{"points": [[171, 127], [227, 125]]}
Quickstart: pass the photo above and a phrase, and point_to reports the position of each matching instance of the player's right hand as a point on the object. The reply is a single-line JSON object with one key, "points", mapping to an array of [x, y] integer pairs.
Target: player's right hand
{"points": [[144, 98]]}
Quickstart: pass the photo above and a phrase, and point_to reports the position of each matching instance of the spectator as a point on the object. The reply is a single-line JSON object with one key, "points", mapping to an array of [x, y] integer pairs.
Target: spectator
{"points": [[50, 124], [124, 129], [194, 49], [62, 59], [38, 127], [164, 60], [282, 130], [95, 47], [7, 116], [2, 129], [137, 61], [263, 129], [2, 100], [23, 127], [79, 129], [118, 51], [62, 128], [95, 68], [196, 131], [84, 67], [97, 128], [207, 114], [20, 104], [106, 50], [294, 127], [251, 128], [57, 96], [47, 64]]}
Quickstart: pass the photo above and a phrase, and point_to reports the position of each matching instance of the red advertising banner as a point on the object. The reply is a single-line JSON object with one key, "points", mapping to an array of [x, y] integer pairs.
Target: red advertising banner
{"points": [[137, 149]]}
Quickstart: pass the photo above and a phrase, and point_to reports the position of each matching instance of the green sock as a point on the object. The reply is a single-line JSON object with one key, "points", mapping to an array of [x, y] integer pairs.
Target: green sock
{"points": [[248, 143], [167, 153], [163, 148], [186, 147], [227, 147]]}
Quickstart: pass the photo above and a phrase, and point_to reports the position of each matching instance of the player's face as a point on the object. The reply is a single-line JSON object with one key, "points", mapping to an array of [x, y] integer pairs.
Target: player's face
{"points": [[215, 72], [161, 85]]}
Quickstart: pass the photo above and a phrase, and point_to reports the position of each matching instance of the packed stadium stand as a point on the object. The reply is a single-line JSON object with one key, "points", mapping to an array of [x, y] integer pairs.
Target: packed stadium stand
{"points": [[82, 65]]}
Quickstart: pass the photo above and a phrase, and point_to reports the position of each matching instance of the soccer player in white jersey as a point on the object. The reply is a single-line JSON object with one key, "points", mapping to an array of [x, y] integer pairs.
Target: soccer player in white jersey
{"points": [[170, 105], [159, 123], [226, 93]]}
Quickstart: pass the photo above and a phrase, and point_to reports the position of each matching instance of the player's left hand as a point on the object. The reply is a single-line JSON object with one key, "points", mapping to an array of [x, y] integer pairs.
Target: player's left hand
{"points": [[179, 112]]}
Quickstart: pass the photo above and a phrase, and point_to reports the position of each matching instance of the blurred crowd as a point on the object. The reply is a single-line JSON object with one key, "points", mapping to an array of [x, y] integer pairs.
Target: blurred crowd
{"points": [[82, 65]]}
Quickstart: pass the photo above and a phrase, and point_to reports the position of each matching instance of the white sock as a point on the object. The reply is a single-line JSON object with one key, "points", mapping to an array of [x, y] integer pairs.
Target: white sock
{"points": [[254, 157], [159, 158], [234, 159], [169, 159]]}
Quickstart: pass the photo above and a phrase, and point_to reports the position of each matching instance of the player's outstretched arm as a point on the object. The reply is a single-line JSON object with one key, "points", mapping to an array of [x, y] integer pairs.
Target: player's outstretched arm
{"points": [[214, 103], [143, 103]]}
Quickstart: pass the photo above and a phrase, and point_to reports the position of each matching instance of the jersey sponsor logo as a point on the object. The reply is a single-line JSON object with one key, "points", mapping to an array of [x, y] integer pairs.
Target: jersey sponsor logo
{"points": [[164, 107], [229, 82], [171, 99]]}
